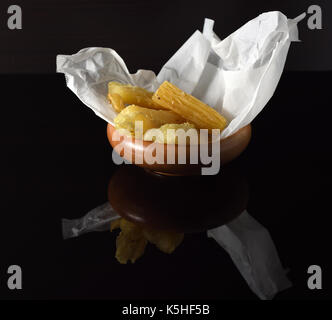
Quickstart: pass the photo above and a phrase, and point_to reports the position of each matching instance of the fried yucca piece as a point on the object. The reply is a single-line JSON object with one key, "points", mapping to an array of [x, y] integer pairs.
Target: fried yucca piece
{"points": [[167, 133], [132, 95], [116, 101], [188, 107], [151, 119]]}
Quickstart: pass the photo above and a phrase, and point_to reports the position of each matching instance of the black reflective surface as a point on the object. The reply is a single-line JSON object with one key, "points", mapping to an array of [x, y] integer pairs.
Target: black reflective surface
{"points": [[185, 204], [56, 163]]}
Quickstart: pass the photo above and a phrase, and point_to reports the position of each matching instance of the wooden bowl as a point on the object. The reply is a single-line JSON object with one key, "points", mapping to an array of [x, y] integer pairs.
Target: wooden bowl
{"points": [[135, 150]]}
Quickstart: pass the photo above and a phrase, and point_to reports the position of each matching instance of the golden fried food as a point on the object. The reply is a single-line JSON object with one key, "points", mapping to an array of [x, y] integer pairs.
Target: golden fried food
{"points": [[165, 241], [188, 107], [167, 133], [150, 119], [116, 101], [132, 95]]}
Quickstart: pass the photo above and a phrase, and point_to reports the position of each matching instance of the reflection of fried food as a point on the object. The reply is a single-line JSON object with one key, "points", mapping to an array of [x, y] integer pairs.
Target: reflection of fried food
{"points": [[167, 133], [129, 249], [188, 107], [132, 240], [165, 241], [149, 117], [115, 224], [131, 229], [132, 95], [130, 243]]}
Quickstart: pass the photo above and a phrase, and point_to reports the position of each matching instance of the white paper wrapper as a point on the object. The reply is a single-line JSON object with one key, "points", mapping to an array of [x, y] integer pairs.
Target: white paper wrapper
{"points": [[237, 76]]}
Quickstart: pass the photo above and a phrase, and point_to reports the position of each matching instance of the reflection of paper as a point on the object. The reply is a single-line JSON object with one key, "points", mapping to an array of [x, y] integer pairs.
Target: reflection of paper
{"points": [[247, 242], [97, 219], [252, 250], [236, 76]]}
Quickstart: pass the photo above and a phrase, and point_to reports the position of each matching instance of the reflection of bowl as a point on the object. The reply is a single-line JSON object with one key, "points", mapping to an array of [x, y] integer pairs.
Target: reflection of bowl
{"points": [[230, 148], [182, 204]]}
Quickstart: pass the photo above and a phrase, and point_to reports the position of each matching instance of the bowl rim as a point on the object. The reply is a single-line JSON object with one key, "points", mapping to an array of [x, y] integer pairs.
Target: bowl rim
{"points": [[111, 127]]}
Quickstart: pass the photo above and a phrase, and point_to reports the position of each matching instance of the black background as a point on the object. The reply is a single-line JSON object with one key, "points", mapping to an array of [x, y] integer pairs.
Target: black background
{"points": [[145, 33], [56, 160]]}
